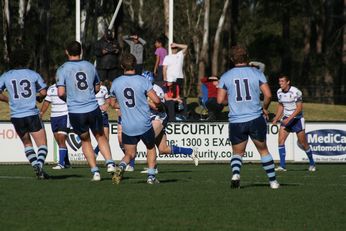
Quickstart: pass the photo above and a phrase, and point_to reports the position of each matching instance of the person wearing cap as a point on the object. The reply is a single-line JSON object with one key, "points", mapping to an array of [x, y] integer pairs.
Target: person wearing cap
{"points": [[107, 52], [214, 109]]}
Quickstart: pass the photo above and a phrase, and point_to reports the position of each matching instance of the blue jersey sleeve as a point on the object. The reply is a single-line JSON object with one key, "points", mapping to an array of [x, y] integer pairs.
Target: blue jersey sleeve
{"points": [[60, 78], [222, 83], [40, 84], [97, 79], [2, 84], [262, 78]]}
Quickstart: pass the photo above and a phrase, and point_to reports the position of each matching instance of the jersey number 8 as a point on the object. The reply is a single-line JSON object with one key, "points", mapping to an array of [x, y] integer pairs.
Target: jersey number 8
{"points": [[82, 83]]}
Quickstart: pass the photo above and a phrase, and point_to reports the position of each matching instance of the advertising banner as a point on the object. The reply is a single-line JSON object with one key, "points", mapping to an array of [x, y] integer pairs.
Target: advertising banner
{"points": [[327, 141]]}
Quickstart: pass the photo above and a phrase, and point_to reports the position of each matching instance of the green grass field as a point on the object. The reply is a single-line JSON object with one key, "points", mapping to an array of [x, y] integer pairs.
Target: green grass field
{"points": [[188, 198]]}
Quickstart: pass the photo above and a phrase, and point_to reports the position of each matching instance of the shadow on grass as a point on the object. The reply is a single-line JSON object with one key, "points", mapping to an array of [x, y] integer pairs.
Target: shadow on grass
{"points": [[62, 177], [174, 171], [266, 185]]}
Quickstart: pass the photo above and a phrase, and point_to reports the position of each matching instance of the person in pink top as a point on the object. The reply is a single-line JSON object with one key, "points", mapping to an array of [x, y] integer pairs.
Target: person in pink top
{"points": [[160, 53]]}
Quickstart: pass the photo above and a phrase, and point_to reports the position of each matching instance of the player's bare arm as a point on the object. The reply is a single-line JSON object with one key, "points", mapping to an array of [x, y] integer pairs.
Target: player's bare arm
{"points": [[221, 96], [267, 98], [3, 98], [44, 107], [278, 114], [153, 97]]}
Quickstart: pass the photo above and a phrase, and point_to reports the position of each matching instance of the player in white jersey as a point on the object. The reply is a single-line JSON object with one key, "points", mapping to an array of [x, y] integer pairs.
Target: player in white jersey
{"points": [[130, 93], [159, 121], [22, 85], [243, 85], [290, 111], [59, 123], [102, 98]]}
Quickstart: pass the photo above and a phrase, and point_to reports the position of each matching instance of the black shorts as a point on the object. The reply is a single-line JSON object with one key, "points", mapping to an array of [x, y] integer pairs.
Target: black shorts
{"points": [[148, 138], [27, 124], [82, 122], [105, 119], [240, 132]]}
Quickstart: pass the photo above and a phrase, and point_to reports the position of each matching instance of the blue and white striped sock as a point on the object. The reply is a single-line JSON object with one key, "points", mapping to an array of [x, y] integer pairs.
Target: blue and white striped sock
{"points": [[269, 166], [31, 155], [42, 154], [151, 173], [110, 162], [94, 169], [122, 165], [236, 163]]}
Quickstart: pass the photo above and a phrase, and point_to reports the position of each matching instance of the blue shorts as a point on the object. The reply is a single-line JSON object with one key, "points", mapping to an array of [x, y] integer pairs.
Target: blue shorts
{"points": [[240, 132], [148, 138], [27, 124], [105, 119], [295, 125], [82, 122], [59, 124]]}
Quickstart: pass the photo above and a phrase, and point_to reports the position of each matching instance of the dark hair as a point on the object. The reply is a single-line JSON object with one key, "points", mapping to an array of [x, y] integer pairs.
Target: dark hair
{"points": [[19, 58], [128, 62], [74, 48], [161, 40], [239, 54], [283, 76]]}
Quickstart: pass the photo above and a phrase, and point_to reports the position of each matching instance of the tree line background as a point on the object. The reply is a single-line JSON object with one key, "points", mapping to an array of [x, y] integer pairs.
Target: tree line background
{"points": [[303, 39]]}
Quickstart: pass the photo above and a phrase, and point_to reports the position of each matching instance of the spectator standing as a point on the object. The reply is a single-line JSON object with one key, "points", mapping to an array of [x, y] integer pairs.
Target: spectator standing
{"points": [[160, 54], [136, 44], [107, 53], [173, 65]]}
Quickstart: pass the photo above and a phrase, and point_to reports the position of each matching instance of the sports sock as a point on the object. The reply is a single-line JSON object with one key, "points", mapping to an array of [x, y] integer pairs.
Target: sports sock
{"points": [[181, 150], [122, 165], [282, 153], [236, 163], [31, 155], [62, 156], [269, 166], [151, 172], [96, 150], [132, 162], [309, 154], [42, 154], [67, 161], [95, 169], [110, 162]]}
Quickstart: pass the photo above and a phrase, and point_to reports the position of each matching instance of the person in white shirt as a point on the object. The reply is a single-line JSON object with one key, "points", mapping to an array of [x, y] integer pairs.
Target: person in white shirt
{"points": [[173, 65], [59, 122], [290, 111]]}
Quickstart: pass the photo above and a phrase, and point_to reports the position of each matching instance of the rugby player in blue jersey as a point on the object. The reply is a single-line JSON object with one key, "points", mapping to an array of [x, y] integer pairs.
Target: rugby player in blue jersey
{"points": [[130, 92], [76, 80], [243, 85], [22, 85]]}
